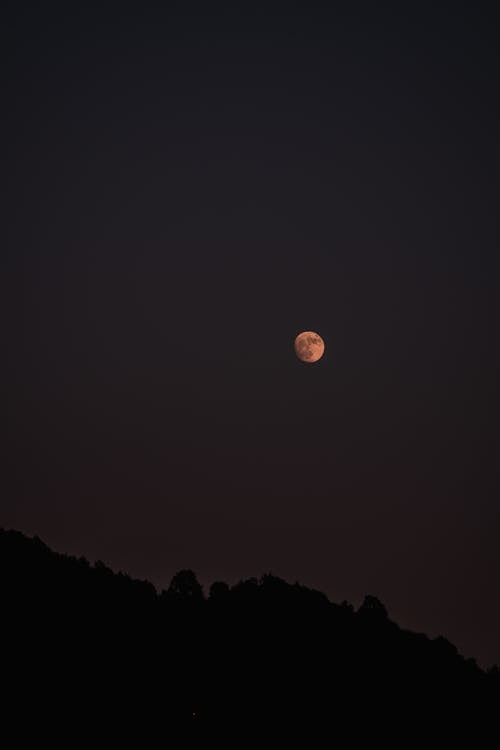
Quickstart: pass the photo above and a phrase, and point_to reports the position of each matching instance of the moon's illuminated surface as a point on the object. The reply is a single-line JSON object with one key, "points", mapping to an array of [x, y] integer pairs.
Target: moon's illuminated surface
{"points": [[309, 346]]}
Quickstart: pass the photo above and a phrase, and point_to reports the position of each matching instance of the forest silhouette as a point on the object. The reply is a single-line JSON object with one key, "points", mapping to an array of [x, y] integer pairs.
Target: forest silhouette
{"points": [[89, 653]]}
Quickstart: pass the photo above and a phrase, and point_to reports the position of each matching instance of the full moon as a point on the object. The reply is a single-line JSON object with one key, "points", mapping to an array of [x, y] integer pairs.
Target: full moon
{"points": [[309, 346]]}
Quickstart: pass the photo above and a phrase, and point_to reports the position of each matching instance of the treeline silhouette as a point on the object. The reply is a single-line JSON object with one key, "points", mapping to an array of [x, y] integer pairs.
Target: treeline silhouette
{"points": [[90, 653]]}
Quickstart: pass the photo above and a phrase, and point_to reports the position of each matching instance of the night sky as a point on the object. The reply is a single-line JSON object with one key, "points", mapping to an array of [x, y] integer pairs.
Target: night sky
{"points": [[187, 188]]}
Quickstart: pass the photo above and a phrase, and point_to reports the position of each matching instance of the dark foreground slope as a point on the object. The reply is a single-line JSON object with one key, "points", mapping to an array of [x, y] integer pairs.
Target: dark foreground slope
{"points": [[88, 654]]}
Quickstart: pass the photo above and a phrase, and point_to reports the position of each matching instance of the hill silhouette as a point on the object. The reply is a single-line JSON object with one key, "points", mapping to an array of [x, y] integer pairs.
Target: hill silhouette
{"points": [[89, 653]]}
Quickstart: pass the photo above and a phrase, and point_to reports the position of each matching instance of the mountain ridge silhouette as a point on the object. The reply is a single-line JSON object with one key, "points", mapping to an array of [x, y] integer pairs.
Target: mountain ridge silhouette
{"points": [[260, 653]]}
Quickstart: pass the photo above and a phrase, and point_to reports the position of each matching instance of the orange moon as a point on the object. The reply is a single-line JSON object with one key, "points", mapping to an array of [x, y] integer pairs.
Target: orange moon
{"points": [[309, 346]]}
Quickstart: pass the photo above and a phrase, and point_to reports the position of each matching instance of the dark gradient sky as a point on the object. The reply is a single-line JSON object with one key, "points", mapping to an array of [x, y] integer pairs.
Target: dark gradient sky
{"points": [[186, 189]]}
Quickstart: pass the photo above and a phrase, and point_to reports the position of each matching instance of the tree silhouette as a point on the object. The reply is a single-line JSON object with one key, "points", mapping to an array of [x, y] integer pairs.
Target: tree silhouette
{"points": [[373, 607], [113, 655], [184, 587], [219, 591]]}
